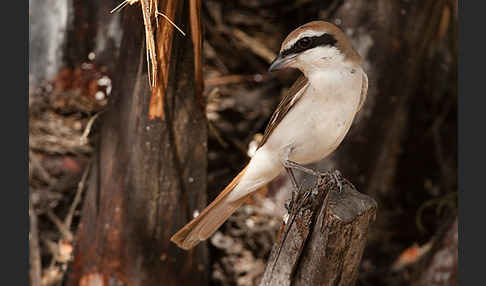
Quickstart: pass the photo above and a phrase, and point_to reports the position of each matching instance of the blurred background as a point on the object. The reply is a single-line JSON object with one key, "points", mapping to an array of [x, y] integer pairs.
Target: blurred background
{"points": [[401, 150]]}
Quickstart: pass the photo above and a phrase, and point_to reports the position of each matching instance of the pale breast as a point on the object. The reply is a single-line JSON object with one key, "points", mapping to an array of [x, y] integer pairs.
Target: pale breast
{"points": [[318, 123]]}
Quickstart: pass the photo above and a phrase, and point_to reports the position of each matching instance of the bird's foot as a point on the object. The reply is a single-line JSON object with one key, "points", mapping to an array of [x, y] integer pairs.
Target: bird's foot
{"points": [[336, 177]]}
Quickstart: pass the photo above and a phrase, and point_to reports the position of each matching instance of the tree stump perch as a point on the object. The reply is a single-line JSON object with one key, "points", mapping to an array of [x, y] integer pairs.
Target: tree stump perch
{"points": [[323, 240]]}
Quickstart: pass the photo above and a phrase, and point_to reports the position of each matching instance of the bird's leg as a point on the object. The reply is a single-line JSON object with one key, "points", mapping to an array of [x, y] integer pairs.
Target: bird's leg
{"points": [[335, 175], [295, 190], [289, 166], [293, 165]]}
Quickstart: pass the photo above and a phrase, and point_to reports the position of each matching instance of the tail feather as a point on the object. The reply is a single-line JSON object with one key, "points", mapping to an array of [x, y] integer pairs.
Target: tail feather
{"points": [[210, 219]]}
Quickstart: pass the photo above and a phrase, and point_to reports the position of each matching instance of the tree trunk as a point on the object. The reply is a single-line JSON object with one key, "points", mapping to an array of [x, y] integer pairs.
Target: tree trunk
{"points": [[324, 243], [150, 175]]}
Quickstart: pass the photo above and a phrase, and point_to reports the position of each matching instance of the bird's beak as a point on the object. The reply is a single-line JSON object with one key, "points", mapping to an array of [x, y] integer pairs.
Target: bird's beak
{"points": [[280, 63]]}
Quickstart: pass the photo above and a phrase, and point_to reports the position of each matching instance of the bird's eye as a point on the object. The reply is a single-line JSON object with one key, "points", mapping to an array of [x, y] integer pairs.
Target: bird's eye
{"points": [[304, 43]]}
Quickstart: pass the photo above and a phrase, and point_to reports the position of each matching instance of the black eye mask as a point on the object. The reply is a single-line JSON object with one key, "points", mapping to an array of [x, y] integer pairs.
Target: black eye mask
{"points": [[307, 43]]}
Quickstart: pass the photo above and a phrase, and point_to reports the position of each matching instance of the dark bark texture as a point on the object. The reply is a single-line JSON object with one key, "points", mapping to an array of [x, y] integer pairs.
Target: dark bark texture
{"points": [[397, 61], [149, 175], [324, 243], [398, 52]]}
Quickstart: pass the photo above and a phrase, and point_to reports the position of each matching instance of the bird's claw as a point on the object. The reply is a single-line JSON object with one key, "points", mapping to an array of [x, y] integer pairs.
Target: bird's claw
{"points": [[335, 176]]}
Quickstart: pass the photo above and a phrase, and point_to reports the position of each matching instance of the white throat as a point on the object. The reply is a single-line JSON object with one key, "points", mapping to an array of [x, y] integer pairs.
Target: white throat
{"points": [[321, 59]]}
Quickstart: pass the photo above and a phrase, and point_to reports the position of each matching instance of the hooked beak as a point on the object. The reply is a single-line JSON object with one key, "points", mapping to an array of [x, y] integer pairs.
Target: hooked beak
{"points": [[280, 63]]}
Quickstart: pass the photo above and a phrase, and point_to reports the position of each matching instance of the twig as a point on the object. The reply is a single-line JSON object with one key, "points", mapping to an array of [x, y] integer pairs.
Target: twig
{"points": [[77, 198], [53, 249], [448, 198], [37, 167], [217, 134], [173, 24], [66, 233], [240, 146], [87, 130], [35, 259], [229, 79], [255, 46], [150, 44], [52, 275], [209, 50], [122, 5]]}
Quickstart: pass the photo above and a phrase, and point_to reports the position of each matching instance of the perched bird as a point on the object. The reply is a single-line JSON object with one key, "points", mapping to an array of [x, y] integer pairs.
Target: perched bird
{"points": [[308, 124]]}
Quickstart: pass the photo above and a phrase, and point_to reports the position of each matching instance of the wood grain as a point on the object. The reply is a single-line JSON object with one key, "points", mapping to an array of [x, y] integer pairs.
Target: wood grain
{"points": [[325, 240]]}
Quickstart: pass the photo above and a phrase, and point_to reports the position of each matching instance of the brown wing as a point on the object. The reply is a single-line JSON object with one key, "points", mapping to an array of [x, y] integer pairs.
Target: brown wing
{"points": [[292, 96], [364, 90]]}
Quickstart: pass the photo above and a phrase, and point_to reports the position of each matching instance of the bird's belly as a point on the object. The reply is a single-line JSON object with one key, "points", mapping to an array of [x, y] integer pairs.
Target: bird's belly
{"points": [[324, 134], [314, 128]]}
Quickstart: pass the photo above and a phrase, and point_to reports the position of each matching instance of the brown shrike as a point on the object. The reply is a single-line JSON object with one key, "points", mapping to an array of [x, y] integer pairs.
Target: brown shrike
{"points": [[308, 124]]}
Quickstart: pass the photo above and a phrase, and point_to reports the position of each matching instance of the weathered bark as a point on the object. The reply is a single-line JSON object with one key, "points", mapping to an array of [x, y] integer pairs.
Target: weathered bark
{"points": [[324, 244], [150, 174], [440, 265]]}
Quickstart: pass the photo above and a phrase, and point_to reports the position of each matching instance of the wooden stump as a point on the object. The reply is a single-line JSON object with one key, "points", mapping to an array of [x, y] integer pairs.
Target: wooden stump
{"points": [[323, 240]]}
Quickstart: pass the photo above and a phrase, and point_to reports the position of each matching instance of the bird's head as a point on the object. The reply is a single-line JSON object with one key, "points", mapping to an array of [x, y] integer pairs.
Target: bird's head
{"points": [[315, 46]]}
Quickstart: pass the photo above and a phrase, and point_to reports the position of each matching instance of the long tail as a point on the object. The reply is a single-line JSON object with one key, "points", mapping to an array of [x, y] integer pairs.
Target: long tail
{"points": [[210, 219]]}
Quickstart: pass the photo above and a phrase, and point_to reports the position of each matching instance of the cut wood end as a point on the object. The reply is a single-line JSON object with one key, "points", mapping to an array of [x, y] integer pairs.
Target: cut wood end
{"points": [[349, 203], [156, 106]]}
